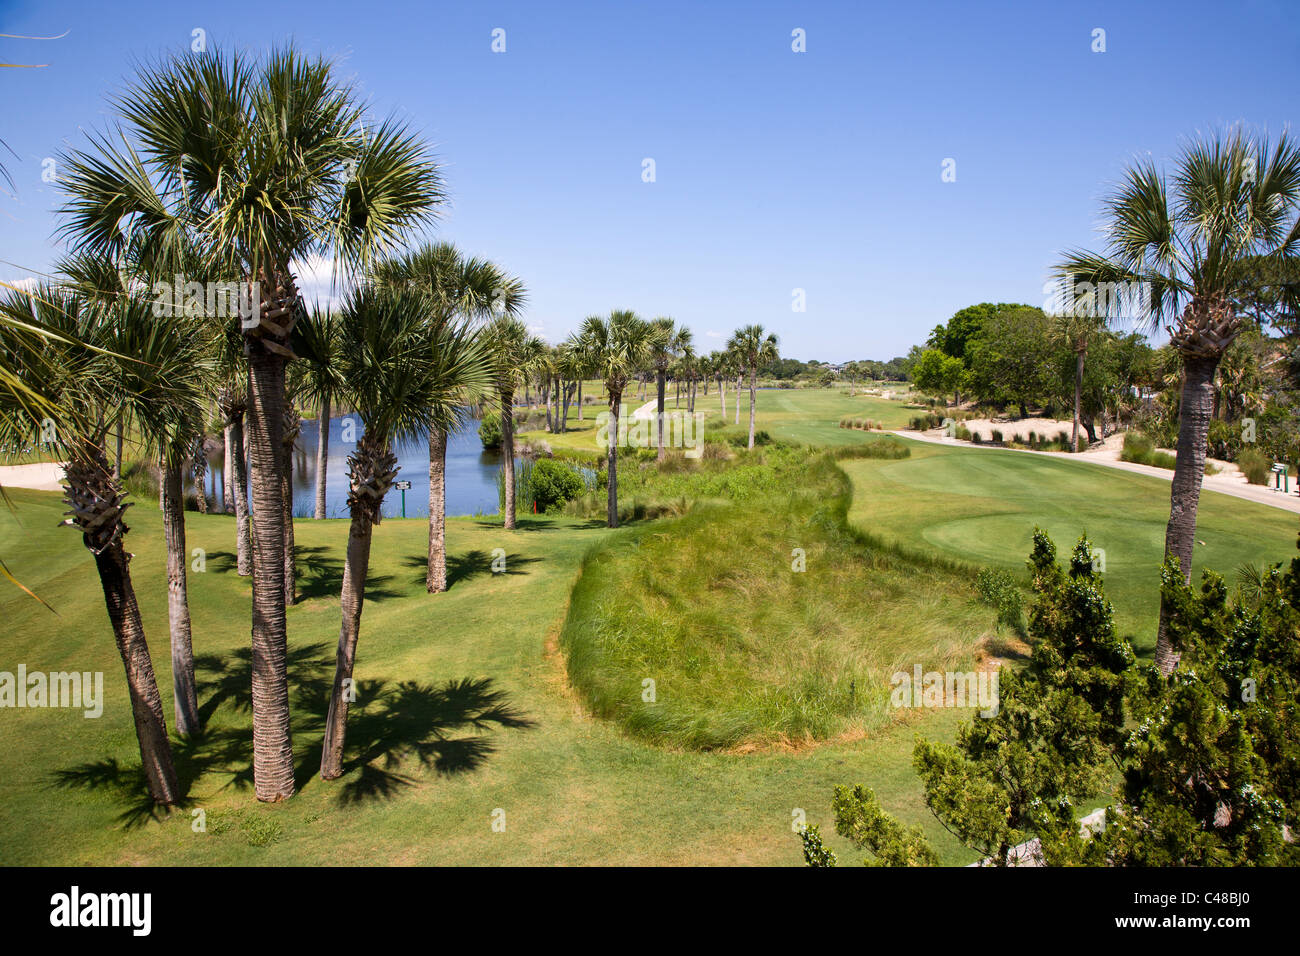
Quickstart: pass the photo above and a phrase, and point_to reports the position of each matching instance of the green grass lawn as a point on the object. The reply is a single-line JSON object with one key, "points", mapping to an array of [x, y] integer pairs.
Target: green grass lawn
{"points": [[981, 506], [463, 708]]}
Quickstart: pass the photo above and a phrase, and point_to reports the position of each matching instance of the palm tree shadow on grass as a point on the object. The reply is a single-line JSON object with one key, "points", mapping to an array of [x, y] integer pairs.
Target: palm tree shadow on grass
{"points": [[395, 724], [390, 725], [462, 567], [320, 574]]}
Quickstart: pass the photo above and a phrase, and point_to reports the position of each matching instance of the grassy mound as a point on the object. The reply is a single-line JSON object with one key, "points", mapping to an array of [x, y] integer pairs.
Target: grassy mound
{"points": [[742, 649]]}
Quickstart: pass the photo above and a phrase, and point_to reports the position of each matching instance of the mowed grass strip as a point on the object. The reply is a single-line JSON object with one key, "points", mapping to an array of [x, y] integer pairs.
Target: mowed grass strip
{"points": [[699, 633], [981, 506]]}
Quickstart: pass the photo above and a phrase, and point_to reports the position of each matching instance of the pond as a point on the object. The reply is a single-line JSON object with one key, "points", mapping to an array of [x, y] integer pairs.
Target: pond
{"points": [[471, 473]]}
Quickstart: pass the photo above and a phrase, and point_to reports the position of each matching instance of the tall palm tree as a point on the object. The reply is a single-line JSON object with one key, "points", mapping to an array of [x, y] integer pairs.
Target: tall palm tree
{"points": [[569, 363], [386, 371], [458, 289], [1190, 239], [753, 348], [619, 345], [102, 360], [514, 352], [259, 164], [172, 424], [1076, 328], [319, 379], [666, 342]]}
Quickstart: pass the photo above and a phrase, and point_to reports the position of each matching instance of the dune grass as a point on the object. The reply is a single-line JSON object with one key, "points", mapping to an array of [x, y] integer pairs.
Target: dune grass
{"points": [[764, 619]]}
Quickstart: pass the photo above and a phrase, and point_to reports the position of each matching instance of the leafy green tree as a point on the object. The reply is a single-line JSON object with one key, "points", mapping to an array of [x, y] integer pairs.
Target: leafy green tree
{"points": [[1011, 358], [938, 373]]}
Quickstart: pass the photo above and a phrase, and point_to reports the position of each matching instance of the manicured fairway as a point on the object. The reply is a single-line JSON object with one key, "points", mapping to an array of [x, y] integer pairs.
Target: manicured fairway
{"points": [[981, 505], [574, 789]]}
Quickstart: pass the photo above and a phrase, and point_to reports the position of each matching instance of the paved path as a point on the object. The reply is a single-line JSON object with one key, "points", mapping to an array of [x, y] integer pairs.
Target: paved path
{"points": [[1228, 484]]}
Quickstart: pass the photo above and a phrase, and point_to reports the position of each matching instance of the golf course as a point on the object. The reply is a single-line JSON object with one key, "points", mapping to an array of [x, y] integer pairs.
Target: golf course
{"points": [[472, 709]]}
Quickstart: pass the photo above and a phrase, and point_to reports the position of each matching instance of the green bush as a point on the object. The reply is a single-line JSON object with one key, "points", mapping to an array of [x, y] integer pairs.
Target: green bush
{"points": [[489, 431], [554, 483], [998, 590], [997, 436], [1255, 465]]}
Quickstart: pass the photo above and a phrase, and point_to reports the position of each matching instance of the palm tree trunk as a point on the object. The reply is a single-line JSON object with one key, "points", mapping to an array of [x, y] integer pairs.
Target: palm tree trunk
{"points": [[243, 529], [611, 452], [142, 685], [1185, 496], [97, 504], [178, 605], [566, 393], [508, 456], [355, 568], [1078, 394], [546, 400], [435, 577], [322, 454], [228, 471], [117, 462], [219, 491], [753, 397], [740, 381], [660, 381], [722, 396], [200, 472], [272, 737], [579, 399], [373, 468], [286, 498], [677, 400]]}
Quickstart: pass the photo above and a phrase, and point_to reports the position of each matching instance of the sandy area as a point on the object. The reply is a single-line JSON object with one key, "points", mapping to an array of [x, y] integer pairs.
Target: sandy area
{"points": [[42, 476]]}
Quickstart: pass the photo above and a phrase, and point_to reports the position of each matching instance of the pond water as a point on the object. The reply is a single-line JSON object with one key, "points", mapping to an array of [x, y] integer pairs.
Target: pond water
{"points": [[471, 473]]}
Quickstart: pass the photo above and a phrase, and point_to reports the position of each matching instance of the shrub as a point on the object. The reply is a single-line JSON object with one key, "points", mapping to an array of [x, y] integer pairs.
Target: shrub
{"points": [[1063, 439], [1255, 465], [975, 437], [997, 436], [555, 482], [963, 433], [998, 590], [489, 431], [1084, 444]]}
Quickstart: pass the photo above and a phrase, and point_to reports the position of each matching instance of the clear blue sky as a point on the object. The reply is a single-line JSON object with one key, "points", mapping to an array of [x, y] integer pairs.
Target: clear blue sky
{"points": [[775, 170]]}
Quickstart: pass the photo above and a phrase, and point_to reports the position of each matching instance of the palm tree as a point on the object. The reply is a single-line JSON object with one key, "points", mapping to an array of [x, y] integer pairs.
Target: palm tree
{"points": [[258, 164], [666, 342], [386, 371], [753, 348], [318, 380], [87, 379], [457, 287], [619, 346], [232, 403], [514, 352], [1076, 328], [1190, 240], [172, 424]]}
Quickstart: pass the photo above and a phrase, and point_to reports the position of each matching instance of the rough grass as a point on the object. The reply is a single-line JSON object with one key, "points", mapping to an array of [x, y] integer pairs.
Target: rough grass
{"points": [[742, 649]]}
